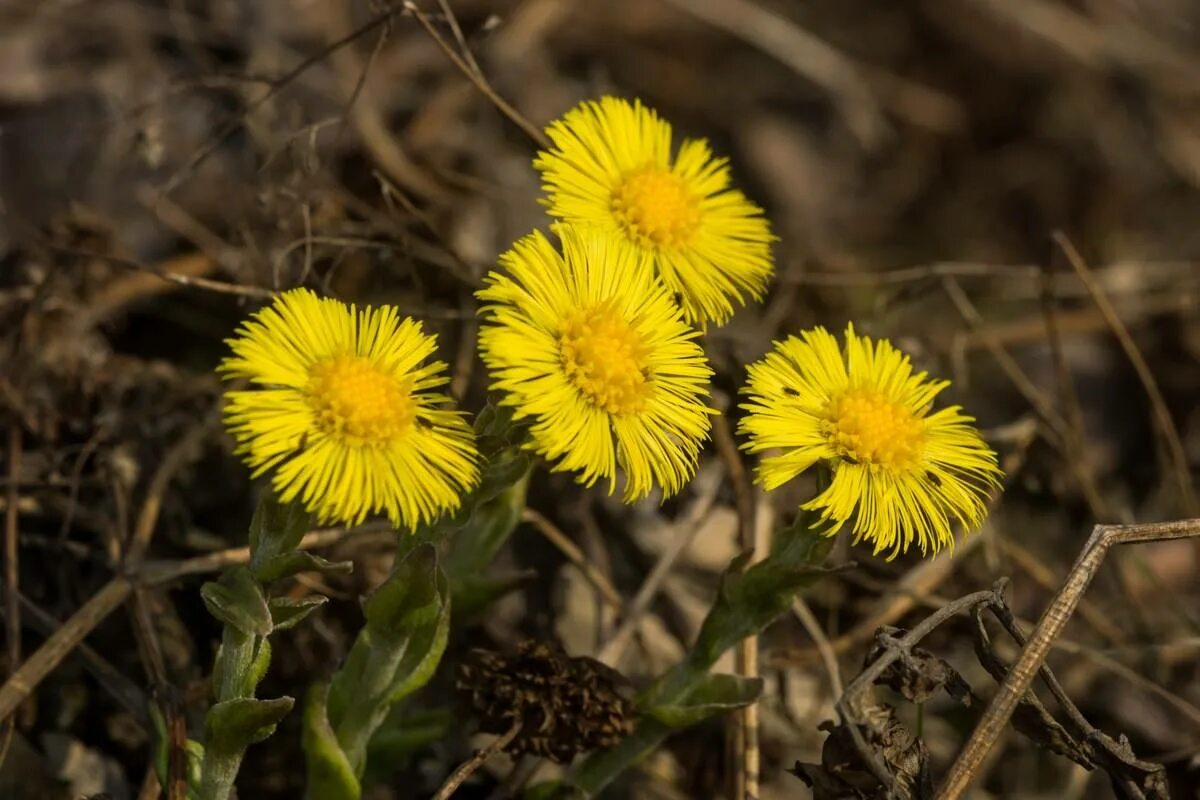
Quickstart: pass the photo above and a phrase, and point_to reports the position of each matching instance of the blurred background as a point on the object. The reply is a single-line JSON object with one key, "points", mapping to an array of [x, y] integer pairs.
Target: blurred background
{"points": [[1006, 188]]}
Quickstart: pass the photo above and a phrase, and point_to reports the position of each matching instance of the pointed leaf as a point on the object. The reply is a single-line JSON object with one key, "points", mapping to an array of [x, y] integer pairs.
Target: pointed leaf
{"points": [[396, 653], [712, 695], [286, 612], [286, 565], [237, 600], [489, 526], [233, 725], [276, 528], [411, 588], [749, 601]]}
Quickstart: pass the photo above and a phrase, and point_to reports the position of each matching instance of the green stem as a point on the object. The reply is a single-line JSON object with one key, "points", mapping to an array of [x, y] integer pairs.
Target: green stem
{"points": [[235, 670], [368, 706], [746, 603]]}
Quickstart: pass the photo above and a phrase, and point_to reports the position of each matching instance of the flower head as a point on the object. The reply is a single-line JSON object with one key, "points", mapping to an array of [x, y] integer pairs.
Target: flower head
{"points": [[341, 409], [611, 166], [899, 472], [588, 344]]}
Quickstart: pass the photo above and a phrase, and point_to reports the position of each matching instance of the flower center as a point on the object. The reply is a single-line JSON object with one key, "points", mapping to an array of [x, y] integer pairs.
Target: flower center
{"points": [[655, 207], [357, 400], [605, 359], [869, 428]]}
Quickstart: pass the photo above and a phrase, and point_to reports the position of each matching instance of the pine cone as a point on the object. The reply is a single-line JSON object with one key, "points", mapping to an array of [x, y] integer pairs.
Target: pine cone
{"points": [[565, 705]]}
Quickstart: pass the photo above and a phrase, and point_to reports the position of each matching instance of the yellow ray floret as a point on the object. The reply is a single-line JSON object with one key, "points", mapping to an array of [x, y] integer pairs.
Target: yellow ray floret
{"points": [[341, 411], [611, 166], [899, 473], [589, 345]]}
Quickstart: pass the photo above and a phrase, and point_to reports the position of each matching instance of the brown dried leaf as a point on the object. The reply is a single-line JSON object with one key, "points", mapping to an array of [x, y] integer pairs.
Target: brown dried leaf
{"points": [[843, 774], [918, 674]]}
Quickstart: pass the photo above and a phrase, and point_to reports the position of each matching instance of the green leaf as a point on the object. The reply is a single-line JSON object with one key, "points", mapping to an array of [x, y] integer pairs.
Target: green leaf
{"points": [[499, 474], [473, 595], [397, 651], [259, 665], [411, 589], [711, 695], [285, 565], [287, 612], [276, 528], [489, 526], [233, 725], [751, 600], [330, 776], [748, 600], [237, 600]]}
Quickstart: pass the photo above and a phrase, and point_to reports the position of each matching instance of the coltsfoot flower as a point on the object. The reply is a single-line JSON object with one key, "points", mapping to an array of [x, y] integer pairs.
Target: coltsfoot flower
{"points": [[341, 411], [611, 166], [900, 474], [589, 345]]}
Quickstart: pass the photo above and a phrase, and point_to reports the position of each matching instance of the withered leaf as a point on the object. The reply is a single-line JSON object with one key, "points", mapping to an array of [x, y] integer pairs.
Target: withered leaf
{"points": [[918, 674]]}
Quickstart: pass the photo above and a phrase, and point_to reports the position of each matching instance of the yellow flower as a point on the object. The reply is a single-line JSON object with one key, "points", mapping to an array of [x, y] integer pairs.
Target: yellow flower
{"points": [[589, 345], [611, 167], [341, 410], [900, 472]]}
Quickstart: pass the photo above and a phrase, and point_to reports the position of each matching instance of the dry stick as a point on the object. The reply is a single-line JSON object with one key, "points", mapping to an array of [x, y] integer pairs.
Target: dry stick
{"points": [[848, 81], [180, 454], [746, 656], [155, 573], [369, 120], [25, 679], [951, 269], [477, 78], [575, 555], [276, 85], [1058, 426], [917, 583], [1166, 424], [849, 704], [127, 693], [1102, 658], [12, 607], [686, 531], [1008, 364], [165, 274], [456, 29], [1053, 620], [476, 761], [95, 610], [813, 627], [1043, 576], [117, 295], [150, 651], [1068, 399]]}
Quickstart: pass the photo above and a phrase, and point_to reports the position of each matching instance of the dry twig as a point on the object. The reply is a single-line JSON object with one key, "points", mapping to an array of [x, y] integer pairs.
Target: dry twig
{"points": [[468, 768], [12, 607], [1166, 425], [575, 555], [1051, 624], [685, 531], [746, 655], [476, 77]]}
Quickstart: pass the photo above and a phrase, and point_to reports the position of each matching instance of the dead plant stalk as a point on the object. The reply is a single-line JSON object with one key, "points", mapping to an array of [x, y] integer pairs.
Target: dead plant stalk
{"points": [[1051, 624]]}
